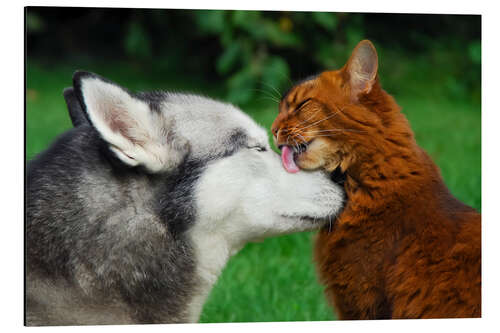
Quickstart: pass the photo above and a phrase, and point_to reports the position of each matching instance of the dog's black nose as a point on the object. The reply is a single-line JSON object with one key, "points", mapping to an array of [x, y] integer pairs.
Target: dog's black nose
{"points": [[280, 147]]}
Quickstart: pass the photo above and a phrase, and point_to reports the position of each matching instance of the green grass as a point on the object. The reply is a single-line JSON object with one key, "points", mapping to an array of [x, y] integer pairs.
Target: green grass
{"points": [[274, 280]]}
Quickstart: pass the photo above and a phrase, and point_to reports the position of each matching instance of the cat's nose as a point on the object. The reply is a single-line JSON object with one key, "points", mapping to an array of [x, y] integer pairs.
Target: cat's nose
{"points": [[274, 130]]}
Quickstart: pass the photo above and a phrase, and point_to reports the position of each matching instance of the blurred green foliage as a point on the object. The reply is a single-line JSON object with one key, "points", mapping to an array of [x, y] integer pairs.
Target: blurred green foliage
{"points": [[262, 51], [137, 42]]}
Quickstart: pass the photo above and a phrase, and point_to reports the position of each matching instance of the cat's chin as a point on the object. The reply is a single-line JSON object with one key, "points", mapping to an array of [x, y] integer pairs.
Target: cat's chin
{"points": [[336, 173], [306, 162], [311, 156]]}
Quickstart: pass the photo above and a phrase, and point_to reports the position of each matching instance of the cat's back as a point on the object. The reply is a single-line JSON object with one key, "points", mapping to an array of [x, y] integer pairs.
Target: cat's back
{"points": [[437, 271]]}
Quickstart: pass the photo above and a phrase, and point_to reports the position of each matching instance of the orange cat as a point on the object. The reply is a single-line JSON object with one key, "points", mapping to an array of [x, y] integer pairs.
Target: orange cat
{"points": [[403, 247]]}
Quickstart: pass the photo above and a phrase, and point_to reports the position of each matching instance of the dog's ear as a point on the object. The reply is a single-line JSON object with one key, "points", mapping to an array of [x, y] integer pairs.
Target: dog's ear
{"points": [[134, 132], [75, 109]]}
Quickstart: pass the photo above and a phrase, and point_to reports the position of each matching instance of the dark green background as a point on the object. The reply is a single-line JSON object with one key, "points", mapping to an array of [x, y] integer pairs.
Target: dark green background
{"points": [[430, 63]]}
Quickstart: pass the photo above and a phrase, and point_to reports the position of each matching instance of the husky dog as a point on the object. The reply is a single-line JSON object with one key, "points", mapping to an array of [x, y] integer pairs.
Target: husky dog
{"points": [[133, 213]]}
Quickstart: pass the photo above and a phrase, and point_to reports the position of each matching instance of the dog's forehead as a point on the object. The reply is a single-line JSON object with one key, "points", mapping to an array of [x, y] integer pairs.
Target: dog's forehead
{"points": [[212, 127]]}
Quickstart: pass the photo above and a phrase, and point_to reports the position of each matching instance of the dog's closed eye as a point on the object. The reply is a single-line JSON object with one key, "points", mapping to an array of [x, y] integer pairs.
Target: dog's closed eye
{"points": [[258, 148]]}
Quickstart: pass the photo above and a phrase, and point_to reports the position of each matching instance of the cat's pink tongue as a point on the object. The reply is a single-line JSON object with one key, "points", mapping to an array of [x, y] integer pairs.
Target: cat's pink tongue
{"points": [[288, 161]]}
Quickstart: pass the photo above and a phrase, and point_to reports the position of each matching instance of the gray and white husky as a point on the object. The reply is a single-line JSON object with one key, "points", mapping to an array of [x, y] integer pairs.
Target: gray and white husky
{"points": [[133, 213]]}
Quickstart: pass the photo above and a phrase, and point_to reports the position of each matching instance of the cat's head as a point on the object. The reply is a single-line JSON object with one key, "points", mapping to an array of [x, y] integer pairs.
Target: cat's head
{"points": [[339, 117]]}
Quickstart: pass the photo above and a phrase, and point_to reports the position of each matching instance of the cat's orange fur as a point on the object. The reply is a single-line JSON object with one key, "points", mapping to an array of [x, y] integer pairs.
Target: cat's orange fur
{"points": [[403, 247]]}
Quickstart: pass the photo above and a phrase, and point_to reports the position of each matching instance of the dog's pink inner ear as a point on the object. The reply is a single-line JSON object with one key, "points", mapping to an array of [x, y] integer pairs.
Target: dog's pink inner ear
{"points": [[119, 121]]}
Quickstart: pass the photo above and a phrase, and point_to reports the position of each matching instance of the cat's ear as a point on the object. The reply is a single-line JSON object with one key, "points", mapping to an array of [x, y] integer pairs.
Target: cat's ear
{"points": [[136, 134], [362, 68]]}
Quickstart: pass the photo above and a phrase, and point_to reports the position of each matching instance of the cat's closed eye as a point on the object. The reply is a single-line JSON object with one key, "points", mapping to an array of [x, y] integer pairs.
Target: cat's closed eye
{"points": [[304, 102]]}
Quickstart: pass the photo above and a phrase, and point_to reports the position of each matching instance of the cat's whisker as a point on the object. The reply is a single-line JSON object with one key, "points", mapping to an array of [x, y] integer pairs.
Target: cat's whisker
{"points": [[314, 115], [302, 138], [319, 121], [320, 136], [286, 77], [296, 144], [270, 98], [295, 131], [276, 90], [338, 130], [268, 95], [302, 122]]}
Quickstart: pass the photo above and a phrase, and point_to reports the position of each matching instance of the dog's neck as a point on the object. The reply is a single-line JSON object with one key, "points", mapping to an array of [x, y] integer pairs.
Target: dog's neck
{"points": [[212, 252]]}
